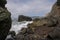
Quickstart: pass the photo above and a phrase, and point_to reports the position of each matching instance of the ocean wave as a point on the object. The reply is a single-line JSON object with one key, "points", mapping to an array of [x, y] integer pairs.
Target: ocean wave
{"points": [[17, 26]]}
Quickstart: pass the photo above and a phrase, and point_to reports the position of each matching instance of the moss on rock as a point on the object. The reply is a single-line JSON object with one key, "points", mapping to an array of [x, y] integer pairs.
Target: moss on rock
{"points": [[5, 20], [4, 14]]}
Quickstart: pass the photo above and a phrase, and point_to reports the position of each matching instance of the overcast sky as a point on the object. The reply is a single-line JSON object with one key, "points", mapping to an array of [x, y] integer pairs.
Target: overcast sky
{"points": [[29, 7]]}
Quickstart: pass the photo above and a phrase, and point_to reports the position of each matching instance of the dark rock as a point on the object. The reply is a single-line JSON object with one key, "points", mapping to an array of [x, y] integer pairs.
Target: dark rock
{"points": [[58, 2], [24, 18], [32, 37], [26, 34], [46, 21], [27, 37], [9, 38], [2, 3], [5, 25], [5, 20], [36, 19], [55, 34], [19, 37], [26, 31], [12, 33]]}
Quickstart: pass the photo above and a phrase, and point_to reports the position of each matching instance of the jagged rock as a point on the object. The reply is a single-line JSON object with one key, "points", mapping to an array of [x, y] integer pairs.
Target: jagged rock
{"points": [[5, 24], [46, 21], [24, 18], [11, 35], [27, 37], [26, 31], [9, 38], [55, 10], [19, 37], [27, 34], [32, 37], [5, 20]]}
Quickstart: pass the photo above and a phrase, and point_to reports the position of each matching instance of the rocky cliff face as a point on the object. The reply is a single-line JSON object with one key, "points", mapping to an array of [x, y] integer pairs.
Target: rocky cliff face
{"points": [[5, 20], [47, 28], [55, 9]]}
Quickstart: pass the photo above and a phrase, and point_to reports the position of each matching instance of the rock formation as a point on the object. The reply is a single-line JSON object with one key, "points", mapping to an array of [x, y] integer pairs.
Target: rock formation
{"points": [[2, 3], [24, 18], [11, 35], [5, 20], [55, 9], [47, 28], [58, 2]]}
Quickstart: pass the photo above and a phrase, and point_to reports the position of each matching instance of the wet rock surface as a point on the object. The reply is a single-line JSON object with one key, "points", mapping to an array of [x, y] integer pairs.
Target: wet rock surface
{"points": [[11, 35], [5, 20]]}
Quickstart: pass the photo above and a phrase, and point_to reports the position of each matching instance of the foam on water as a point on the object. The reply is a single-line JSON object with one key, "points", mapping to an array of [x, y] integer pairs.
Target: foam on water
{"points": [[17, 26]]}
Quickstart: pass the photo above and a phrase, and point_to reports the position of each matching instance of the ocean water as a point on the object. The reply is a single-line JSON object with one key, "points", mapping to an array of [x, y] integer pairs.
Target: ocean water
{"points": [[17, 26]]}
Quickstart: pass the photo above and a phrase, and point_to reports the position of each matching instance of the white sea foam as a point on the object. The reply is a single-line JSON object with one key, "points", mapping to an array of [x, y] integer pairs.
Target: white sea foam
{"points": [[17, 26]]}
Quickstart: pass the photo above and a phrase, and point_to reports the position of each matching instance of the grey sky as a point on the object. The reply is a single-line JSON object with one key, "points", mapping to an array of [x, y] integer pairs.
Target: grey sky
{"points": [[29, 7]]}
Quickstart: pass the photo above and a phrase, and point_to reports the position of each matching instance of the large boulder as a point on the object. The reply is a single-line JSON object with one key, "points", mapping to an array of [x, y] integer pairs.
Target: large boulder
{"points": [[5, 20], [24, 18]]}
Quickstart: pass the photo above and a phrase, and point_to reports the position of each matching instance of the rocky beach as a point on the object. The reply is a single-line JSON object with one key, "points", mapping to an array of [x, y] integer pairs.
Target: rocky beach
{"points": [[29, 28]]}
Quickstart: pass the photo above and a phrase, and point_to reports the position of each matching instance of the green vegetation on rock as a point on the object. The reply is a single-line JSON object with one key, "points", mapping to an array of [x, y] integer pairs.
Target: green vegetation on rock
{"points": [[4, 14], [5, 20]]}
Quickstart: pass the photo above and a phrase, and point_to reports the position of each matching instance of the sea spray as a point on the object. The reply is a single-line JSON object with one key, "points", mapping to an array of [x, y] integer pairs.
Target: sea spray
{"points": [[17, 26]]}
